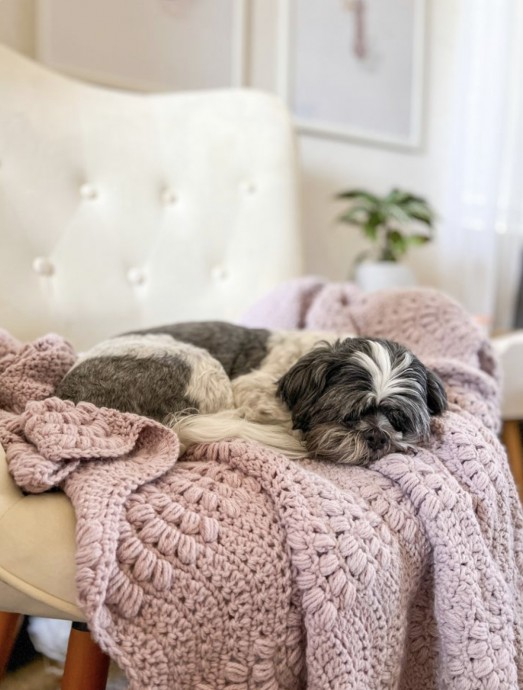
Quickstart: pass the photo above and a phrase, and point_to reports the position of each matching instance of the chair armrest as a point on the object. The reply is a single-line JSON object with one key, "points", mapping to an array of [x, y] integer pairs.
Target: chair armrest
{"points": [[9, 492], [37, 548], [509, 349]]}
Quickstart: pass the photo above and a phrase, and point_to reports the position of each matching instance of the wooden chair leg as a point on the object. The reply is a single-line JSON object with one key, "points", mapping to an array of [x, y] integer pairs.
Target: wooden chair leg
{"points": [[86, 666], [10, 624], [511, 436]]}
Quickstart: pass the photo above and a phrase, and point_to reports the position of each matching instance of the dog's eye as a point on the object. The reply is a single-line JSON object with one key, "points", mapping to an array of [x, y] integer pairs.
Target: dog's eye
{"points": [[398, 420], [349, 419]]}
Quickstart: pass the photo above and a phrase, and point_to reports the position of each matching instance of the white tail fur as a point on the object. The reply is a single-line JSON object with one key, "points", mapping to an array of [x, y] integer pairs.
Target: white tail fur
{"points": [[208, 428]]}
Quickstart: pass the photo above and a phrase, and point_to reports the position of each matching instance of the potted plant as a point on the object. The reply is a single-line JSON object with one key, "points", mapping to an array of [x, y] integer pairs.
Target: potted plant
{"points": [[393, 224]]}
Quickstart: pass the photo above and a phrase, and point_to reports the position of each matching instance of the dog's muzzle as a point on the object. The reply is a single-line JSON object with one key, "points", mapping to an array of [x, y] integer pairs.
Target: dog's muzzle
{"points": [[376, 439]]}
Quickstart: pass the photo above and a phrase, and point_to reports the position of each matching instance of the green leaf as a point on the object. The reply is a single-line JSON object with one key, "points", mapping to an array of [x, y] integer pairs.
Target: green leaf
{"points": [[397, 213], [357, 217], [392, 223], [420, 211], [396, 196], [416, 240], [358, 194], [403, 198], [370, 229], [377, 217], [396, 243]]}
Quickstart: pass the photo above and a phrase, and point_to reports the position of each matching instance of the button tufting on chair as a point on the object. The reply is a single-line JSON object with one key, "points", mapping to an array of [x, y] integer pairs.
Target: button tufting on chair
{"points": [[43, 266], [249, 187], [169, 197], [87, 191], [232, 204], [219, 273], [136, 276]]}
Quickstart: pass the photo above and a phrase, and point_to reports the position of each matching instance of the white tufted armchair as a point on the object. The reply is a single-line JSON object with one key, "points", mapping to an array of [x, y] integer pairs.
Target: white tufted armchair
{"points": [[121, 211]]}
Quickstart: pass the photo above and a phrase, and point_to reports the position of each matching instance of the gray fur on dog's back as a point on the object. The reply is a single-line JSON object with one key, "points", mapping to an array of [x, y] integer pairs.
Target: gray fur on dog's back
{"points": [[238, 349], [152, 386], [167, 370]]}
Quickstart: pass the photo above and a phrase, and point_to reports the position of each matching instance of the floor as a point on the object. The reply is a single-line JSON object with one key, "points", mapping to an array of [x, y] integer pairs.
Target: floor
{"points": [[31, 670], [43, 674]]}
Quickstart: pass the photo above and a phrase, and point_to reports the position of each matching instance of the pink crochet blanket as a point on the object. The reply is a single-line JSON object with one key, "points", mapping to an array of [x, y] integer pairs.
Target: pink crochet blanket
{"points": [[234, 568]]}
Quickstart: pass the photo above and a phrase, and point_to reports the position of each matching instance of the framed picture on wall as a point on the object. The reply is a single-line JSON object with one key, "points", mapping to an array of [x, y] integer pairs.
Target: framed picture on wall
{"points": [[354, 68], [145, 45]]}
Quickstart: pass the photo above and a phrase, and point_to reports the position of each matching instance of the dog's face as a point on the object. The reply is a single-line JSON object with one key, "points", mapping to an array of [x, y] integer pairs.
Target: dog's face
{"points": [[360, 399]]}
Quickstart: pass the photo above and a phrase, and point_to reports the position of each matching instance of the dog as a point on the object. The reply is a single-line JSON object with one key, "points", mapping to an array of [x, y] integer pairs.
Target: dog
{"points": [[332, 397]]}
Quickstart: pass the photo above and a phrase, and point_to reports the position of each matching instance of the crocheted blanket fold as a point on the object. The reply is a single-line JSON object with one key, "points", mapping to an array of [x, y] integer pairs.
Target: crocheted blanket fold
{"points": [[236, 568]]}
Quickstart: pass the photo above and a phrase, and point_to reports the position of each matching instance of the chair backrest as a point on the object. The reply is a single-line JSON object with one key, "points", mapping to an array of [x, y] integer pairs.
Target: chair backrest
{"points": [[122, 210]]}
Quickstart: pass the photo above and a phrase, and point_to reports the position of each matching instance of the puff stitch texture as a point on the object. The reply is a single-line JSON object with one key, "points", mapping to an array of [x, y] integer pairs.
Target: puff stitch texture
{"points": [[233, 568]]}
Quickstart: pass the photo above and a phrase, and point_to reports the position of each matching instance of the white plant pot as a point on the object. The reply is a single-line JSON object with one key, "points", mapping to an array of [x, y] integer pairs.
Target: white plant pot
{"points": [[382, 275]]}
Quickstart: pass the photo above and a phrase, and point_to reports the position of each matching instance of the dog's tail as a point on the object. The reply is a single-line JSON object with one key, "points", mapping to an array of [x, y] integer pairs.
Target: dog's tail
{"points": [[219, 426]]}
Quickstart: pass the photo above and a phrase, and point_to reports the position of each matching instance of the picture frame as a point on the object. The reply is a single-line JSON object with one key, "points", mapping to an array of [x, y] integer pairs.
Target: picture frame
{"points": [[155, 39], [372, 96]]}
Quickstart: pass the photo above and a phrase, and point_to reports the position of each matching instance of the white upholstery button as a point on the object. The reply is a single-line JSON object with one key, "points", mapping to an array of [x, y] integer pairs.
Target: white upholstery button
{"points": [[136, 276], [219, 273], [169, 196], [43, 266], [249, 187], [87, 191]]}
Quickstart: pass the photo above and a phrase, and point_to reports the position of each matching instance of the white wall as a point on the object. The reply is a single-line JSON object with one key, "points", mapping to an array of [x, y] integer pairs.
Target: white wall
{"points": [[330, 165]]}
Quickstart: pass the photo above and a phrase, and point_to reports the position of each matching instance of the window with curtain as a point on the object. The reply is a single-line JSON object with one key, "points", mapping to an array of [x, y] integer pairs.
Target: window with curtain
{"points": [[482, 229]]}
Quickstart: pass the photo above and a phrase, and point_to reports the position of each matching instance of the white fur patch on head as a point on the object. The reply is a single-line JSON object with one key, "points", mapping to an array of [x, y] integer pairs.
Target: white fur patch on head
{"points": [[387, 380]]}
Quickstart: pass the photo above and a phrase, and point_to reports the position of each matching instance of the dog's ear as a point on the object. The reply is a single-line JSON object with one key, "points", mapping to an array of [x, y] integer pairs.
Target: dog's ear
{"points": [[305, 381], [436, 396]]}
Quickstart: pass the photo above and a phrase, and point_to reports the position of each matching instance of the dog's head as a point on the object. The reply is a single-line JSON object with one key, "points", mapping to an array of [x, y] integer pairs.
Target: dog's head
{"points": [[359, 399]]}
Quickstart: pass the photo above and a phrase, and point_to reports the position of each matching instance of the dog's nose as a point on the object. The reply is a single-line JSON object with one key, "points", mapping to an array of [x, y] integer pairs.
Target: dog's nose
{"points": [[376, 439]]}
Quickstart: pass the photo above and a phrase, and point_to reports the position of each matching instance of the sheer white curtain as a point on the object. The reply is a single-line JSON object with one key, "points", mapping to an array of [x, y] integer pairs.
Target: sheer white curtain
{"points": [[482, 227]]}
